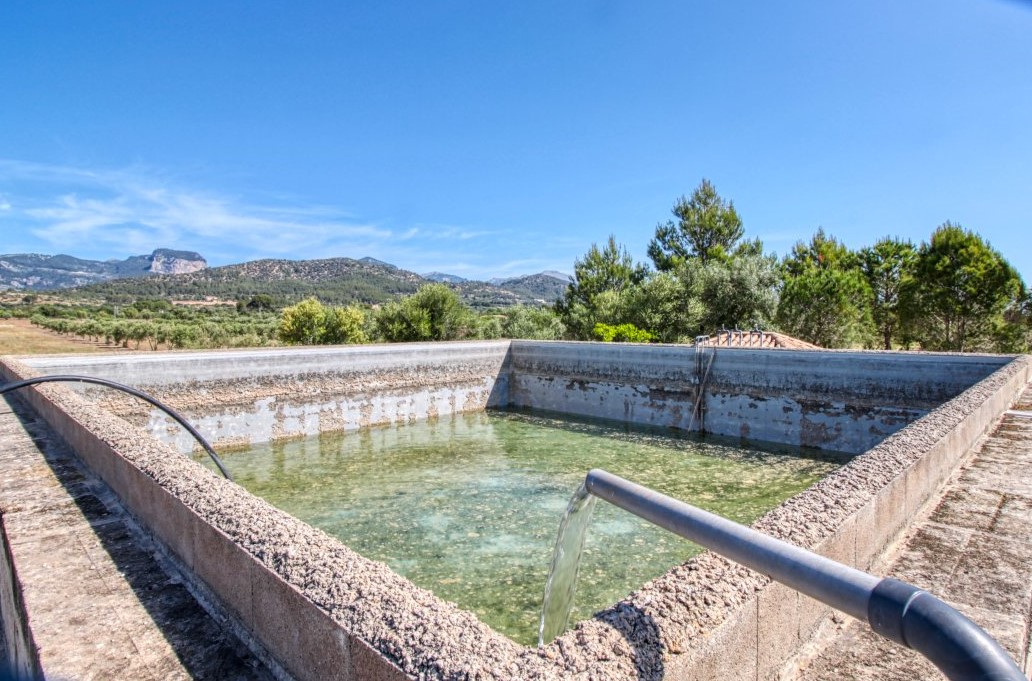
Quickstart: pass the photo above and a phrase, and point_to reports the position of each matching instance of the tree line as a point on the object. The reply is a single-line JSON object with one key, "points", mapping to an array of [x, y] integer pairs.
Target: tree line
{"points": [[157, 324], [953, 292], [434, 312]]}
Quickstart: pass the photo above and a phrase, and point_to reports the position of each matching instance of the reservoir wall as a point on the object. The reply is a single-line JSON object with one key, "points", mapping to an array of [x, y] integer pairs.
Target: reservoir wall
{"points": [[837, 400], [320, 610]]}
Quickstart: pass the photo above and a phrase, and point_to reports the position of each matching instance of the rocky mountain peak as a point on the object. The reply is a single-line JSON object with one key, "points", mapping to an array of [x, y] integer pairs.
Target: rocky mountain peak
{"points": [[166, 261], [32, 271]]}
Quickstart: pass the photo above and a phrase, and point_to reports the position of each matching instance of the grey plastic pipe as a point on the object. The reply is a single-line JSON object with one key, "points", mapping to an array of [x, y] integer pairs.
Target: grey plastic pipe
{"points": [[132, 391], [896, 610]]}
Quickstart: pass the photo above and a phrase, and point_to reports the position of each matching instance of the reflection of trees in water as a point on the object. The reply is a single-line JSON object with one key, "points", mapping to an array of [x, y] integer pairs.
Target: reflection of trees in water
{"points": [[671, 438]]}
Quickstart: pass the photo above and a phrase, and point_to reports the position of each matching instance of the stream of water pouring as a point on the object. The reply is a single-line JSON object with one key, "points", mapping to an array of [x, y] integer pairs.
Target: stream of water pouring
{"points": [[573, 529], [562, 576]]}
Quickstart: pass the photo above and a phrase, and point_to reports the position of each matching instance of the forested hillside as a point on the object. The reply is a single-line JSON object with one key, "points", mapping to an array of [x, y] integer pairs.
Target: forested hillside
{"points": [[334, 281]]}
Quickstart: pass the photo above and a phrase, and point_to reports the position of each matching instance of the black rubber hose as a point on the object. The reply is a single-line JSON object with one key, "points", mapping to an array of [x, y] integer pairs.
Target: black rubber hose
{"points": [[132, 391]]}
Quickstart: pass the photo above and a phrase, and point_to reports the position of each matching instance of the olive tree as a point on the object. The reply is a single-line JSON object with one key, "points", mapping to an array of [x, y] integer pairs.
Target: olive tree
{"points": [[434, 312]]}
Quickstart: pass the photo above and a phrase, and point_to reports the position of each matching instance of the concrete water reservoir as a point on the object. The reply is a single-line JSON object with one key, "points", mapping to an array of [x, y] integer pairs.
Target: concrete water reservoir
{"points": [[467, 505], [319, 610]]}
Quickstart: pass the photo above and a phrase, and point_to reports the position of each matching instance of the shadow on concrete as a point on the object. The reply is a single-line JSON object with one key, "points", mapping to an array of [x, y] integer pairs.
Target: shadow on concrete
{"points": [[642, 634], [204, 649], [499, 397]]}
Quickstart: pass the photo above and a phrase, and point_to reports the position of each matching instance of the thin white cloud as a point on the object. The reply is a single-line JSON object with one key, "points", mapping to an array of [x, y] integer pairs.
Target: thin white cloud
{"points": [[453, 233], [77, 209], [105, 213]]}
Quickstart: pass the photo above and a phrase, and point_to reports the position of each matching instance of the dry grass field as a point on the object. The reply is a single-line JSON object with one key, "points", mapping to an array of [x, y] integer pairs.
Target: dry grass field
{"points": [[19, 337]]}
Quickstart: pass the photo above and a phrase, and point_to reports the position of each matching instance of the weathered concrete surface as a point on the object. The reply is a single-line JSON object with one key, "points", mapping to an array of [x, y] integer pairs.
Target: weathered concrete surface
{"points": [[845, 401], [972, 550], [235, 398], [842, 400], [181, 367], [324, 611], [93, 601]]}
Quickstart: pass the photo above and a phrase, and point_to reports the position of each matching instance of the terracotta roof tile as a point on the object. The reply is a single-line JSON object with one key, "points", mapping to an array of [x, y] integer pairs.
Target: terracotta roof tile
{"points": [[758, 339]]}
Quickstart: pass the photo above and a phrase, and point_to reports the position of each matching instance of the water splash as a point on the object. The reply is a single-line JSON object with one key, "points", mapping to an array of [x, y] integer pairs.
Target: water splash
{"points": [[562, 576]]}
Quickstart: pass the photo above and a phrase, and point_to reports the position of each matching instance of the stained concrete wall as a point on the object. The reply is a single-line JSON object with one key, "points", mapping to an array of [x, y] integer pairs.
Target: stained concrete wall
{"points": [[18, 655], [324, 612], [236, 398], [844, 401]]}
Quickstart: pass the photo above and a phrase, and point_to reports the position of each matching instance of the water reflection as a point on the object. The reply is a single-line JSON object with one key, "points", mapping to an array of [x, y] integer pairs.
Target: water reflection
{"points": [[468, 505]]}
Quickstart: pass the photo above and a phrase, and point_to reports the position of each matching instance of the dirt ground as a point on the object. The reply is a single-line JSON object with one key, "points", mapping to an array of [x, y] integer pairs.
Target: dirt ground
{"points": [[20, 337]]}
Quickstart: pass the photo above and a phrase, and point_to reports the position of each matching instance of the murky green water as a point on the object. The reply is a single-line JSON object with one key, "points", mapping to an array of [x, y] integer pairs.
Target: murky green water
{"points": [[468, 506]]}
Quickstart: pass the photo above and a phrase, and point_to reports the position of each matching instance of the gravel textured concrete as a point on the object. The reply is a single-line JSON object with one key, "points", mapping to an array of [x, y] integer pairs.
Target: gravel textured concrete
{"points": [[707, 618], [351, 389], [972, 550], [99, 603]]}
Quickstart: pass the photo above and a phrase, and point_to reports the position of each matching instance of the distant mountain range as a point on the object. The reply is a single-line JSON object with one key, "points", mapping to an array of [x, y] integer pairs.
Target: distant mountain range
{"points": [[182, 275], [565, 278], [34, 272], [544, 286], [445, 278]]}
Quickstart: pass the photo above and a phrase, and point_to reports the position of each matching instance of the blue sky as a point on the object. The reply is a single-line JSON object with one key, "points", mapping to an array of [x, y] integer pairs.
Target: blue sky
{"points": [[491, 139]]}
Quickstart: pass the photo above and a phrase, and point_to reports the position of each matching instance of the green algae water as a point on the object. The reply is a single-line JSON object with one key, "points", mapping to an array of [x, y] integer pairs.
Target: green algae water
{"points": [[468, 506]]}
